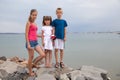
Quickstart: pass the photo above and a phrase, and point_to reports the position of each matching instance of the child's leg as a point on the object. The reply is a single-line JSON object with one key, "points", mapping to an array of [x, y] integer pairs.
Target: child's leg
{"points": [[50, 58], [56, 58], [61, 58], [56, 52], [61, 55], [31, 56], [56, 55], [41, 54], [46, 58]]}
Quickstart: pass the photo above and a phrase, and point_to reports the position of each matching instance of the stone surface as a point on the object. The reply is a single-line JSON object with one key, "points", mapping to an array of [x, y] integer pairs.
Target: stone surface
{"points": [[92, 73], [3, 73], [3, 58], [1, 61], [10, 70], [9, 66], [45, 77], [64, 77]]}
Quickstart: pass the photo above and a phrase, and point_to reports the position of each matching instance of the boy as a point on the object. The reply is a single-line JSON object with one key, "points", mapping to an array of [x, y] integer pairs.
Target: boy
{"points": [[59, 27]]}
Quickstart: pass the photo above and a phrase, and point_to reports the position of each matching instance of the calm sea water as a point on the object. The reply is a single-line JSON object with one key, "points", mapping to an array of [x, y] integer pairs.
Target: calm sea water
{"points": [[100, 50]]}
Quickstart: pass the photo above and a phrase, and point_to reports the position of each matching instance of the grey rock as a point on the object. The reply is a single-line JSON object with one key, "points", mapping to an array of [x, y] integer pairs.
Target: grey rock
{"points": [[45, 74], [76, 75], [9, 66], [21, 69], [3, 58], [45, 77], [104, 76], [63, 77], [3, 73], [31, 78], [92, 73], [1, 61], [15, 71]]}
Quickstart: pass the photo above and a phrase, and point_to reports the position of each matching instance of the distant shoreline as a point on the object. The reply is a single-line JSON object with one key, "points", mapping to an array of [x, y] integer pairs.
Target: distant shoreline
{"points": [[116, 32], [12, 33]]}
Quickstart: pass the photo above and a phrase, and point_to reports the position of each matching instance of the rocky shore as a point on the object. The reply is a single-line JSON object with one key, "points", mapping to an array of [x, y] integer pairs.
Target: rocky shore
{"points": [[16, 69]]}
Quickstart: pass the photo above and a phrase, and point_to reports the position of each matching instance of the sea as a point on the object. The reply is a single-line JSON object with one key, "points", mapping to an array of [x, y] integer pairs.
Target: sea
{"points": [[86, 48]]}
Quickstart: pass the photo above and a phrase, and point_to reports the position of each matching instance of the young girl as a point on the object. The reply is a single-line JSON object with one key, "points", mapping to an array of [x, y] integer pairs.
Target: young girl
{"points": [[46, 40], [32, 42]]}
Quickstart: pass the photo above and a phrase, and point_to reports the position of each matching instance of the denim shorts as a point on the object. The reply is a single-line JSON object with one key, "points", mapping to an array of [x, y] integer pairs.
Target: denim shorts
{"points": [[33, 44]]}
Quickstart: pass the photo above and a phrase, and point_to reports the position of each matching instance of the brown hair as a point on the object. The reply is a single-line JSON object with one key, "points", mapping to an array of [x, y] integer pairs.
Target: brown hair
{"points": [[46, 18], [33, 10]]}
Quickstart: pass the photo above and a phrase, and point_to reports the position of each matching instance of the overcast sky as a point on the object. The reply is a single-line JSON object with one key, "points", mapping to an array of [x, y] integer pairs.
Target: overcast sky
{"points": [[81, 15]]}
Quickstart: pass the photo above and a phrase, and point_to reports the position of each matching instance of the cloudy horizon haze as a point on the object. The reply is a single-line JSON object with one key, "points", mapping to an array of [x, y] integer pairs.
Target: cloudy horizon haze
{"points": [[81, 15]]}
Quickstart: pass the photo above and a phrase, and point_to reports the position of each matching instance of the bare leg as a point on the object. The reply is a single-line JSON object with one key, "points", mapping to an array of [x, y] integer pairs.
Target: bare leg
{"points": [[31, 56], [50, 58], [56, 55], [56, 58], [41, 53], [61, 58], [61, 55], [46, 58]]}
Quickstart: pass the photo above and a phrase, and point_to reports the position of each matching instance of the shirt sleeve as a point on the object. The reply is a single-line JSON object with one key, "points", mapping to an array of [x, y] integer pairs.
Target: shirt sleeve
{"points": [[42, 29], [65, 24], [53, 23]]}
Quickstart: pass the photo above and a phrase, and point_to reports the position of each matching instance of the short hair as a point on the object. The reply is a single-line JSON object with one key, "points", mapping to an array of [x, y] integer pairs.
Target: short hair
{"points": [[47, 18], [58, 9]]}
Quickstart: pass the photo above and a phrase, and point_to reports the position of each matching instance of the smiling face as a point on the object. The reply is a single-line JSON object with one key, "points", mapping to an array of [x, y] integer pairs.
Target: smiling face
{"points": [[59, 13]]}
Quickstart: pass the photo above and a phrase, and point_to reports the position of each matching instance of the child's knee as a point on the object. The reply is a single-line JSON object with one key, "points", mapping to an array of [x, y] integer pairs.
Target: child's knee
{"points": [[56, 50], [43, 55], [61, 51]]}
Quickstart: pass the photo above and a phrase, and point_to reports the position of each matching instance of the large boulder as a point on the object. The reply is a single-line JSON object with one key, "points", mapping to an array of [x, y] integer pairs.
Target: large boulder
{"points": [[76, 75], [3, 73], [9, 66], [45, 74], [93, 73], [12, 71], [88, 73], [3, 58]]}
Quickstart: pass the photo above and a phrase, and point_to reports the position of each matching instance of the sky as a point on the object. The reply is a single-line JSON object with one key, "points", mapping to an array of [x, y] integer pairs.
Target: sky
{"points": [[81, 15]]}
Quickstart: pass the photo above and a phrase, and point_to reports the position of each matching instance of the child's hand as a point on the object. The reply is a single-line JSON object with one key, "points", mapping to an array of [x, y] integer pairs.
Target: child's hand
{"points": [[64, 38], [38, 35], [29, 47]]}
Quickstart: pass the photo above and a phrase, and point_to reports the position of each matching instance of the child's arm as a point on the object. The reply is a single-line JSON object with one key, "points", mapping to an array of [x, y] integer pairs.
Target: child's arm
{"points": [[26, 34], [65, 32], [38, 35], [42, 36], [53, 31]]}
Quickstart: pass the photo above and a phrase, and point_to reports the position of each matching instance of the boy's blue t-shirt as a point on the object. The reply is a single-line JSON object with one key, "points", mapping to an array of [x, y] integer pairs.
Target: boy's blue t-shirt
{"points": [[59, 25]]}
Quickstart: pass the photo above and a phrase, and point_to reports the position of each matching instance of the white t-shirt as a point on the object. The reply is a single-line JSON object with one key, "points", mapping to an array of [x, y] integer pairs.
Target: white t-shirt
{"points": [[47, 31]]}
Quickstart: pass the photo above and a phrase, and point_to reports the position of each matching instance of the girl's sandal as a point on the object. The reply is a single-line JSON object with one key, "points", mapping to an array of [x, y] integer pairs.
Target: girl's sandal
{"points": [[62, 65], [57, 65]]}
